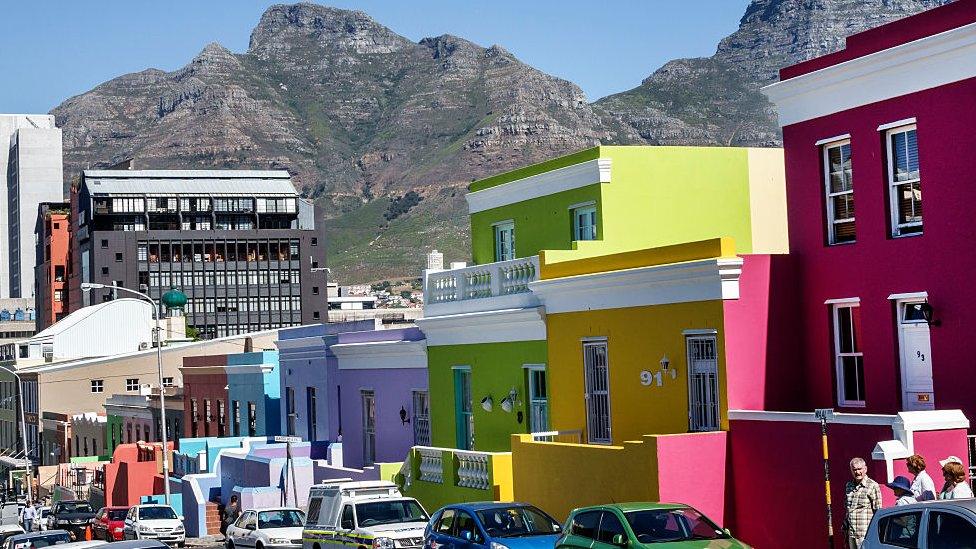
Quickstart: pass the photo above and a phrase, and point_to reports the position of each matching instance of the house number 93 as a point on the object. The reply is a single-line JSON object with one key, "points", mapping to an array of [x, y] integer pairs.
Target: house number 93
{"points": [[917, 353]]}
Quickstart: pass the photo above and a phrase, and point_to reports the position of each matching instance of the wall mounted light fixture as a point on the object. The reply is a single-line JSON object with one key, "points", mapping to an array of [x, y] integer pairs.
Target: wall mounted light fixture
{"points": [[487, 403], [403, 416], [508, 403], [665, 362]]}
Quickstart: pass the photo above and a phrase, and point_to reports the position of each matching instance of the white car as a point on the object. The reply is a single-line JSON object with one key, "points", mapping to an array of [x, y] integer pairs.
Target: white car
{"points": [[158, 522], [41, 522], [278, 528]]}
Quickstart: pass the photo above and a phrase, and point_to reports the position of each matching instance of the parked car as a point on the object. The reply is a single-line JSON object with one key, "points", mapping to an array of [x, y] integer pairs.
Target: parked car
{"points": [[932, 524], [73, 516], [373, 510], [492, 526], [81, 544], [8, 530], [109, 523], [43, 518], [158, 522], [37, 539], [266, 528], [139, 544], [660, 525]]}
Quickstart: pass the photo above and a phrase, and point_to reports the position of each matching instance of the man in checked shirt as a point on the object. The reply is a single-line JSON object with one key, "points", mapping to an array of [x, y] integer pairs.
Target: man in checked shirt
{"points": [[863, 498]]}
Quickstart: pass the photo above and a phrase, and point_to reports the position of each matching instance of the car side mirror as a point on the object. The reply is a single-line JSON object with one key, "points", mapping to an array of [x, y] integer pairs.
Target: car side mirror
{"points": [[727, 531], [250, 526], [181, 518], [619, 540]]}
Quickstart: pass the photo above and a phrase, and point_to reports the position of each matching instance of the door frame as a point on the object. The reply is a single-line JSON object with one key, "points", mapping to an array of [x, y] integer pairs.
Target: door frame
{"points": [[901, 302], [592, 342], [698, 335]]}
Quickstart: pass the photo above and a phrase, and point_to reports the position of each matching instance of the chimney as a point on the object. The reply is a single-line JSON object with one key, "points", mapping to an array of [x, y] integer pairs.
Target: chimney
{"points": [[248, 344]]}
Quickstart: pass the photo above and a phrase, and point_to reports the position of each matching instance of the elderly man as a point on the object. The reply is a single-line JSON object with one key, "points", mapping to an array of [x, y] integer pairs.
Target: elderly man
{"points": [[863, 498]]}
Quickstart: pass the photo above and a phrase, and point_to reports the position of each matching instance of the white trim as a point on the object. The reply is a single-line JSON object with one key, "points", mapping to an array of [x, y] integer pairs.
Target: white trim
{"points": [[381, 355], [840, 300], [461, 367], [581, 205], [534, 366], [810, 417], [702, 280], [922, 64], [909, 295], [587, 339], [895, 228], [892, 125], [838, 364], [836, 138], [830, 195], [703, 331], [504, 222], [548, 183], [500, 326]]}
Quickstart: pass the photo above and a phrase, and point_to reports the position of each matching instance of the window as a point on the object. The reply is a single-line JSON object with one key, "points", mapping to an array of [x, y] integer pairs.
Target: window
{"points": [[585, 524], [463, 410], [104, 271], [839, 184], [97, 385], [949, 531], [58, 295], [290, 409], [904, 181], [610, 526], [59, 273], [505, 241], [369, 427], [315, 241], [347, 522], [311, 411], [900, 530], [167, 382], [315, 315], [421, 418], [849, 359], [252, 419], [445, 525], [466, 523], [104, 243], [315, 290], [538, 399], [235, 410], [118, 257], [221, 419], [132, 384], [584, 223]]}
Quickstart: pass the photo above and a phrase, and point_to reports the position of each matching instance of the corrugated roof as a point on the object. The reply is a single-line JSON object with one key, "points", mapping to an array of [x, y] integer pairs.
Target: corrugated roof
{"points": [[226, 182], [77, 316]]}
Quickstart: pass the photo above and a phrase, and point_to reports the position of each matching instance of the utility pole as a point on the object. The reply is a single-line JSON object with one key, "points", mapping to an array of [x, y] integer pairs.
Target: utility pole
{"points": [[824, 414]]}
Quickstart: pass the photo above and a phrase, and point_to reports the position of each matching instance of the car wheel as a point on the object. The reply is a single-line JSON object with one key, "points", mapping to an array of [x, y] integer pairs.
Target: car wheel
{"points": [[229, 544], [108, 537], [259, 545]]}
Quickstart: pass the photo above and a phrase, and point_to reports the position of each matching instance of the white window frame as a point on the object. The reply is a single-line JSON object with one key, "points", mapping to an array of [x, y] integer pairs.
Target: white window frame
{"points": [[896, 227], [98, 385], [497, 230], [132, 384], [831, 221], [835, 307], [577, 209]]}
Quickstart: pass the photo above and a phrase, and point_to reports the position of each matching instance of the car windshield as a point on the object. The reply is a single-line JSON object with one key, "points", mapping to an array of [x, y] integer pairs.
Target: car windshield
{"points": [[156, 513], [511, 522], [390, 512], [116, 514], [42, 541], [282, 518], [76, 507], [683, 524]]}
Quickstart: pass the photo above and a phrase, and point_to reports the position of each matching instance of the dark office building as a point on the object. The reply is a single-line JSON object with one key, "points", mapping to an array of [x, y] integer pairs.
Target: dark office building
{"points": [[242, 245]]}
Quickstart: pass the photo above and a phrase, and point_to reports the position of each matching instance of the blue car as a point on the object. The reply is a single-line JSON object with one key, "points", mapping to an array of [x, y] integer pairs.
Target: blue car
{"points": [[491, 525]]}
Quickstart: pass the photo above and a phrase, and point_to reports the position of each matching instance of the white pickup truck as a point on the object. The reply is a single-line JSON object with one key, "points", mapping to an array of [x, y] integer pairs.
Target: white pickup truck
{"points": [[362, 515]]}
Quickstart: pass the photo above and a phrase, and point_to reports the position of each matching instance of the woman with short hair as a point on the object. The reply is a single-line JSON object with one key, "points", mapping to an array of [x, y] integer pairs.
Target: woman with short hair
{"points": [[923, 487]]}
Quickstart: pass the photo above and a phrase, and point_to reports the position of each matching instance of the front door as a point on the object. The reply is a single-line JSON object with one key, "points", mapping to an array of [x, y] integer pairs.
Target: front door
{"points": [[703, 413], [916, 359], [369, 427], [463, 410], [597, 386]]}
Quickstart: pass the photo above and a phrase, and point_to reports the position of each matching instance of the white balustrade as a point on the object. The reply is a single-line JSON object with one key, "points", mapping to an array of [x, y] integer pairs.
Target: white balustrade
{"points": [[482, 281], [431, 465], [473, 470]]}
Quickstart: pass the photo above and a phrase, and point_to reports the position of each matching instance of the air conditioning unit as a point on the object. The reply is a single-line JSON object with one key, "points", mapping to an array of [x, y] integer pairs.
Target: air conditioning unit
{"points": [[144, 345]]}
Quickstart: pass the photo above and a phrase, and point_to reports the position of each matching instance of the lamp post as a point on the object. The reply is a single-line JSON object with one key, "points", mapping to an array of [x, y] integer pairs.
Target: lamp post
{"points": [[88, 286], [23, 436]]}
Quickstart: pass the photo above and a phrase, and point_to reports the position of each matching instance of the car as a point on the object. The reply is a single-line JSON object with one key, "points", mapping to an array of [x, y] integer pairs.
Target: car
{"points": [[658, 525], [930, 524], [43, 518], [73, 516], [159, 522], [109, 523], [491, 525], [8, 530], [279, 527], [37, 539], [139, 544], [81, 544]]}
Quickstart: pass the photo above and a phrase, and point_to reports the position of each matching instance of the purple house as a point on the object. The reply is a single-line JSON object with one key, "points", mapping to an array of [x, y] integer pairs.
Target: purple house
{"points": [[384, 400]]}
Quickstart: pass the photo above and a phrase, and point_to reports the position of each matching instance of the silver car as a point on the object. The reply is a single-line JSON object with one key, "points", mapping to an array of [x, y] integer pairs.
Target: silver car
{"points": [[944, 524]]}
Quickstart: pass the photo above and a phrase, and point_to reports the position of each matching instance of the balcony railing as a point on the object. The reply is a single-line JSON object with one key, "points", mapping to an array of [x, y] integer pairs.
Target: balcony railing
{"points": [[504, 278]]}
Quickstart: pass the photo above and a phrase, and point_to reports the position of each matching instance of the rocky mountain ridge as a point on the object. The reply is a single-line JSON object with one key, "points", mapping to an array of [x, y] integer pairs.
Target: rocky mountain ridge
{"points": [[363, 116]]}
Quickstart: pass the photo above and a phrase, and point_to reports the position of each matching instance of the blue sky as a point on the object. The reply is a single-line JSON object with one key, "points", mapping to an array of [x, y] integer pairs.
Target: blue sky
{"points": [[51, 50]]}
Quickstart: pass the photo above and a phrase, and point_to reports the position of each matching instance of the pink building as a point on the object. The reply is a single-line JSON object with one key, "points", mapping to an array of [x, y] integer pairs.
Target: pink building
{"points": [[880, 291]]}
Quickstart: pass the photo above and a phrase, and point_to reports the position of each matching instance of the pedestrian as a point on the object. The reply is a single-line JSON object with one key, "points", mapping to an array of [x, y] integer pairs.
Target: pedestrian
{"points": [[902, 487], [923, 486], [231, 512], [955, 486], [28, 516], [863, 498]]}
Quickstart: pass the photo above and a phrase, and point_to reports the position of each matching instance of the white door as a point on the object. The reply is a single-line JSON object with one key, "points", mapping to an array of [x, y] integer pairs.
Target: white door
{"points": [[703, 413], [916, 360], [597, 377]]}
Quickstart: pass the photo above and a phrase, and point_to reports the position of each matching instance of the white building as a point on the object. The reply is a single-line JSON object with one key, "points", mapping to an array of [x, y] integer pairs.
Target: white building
{"points": [[31, 166]]}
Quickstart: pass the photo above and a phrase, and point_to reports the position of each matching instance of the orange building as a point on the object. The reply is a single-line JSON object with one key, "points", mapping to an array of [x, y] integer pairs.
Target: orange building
{"points": [[51, 274]]}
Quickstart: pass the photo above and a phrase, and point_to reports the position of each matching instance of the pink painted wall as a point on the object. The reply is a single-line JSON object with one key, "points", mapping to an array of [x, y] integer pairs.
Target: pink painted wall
{"points": [[939, 261], [776, 479], [703, 485]]}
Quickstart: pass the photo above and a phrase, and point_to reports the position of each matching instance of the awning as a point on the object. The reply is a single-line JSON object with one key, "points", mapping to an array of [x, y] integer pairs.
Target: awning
{"points": [[14, 463]]}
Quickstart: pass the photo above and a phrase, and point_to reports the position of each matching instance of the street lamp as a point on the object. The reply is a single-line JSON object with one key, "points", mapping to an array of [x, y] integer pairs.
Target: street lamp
{"points": [[88, 286], [23, 435]]}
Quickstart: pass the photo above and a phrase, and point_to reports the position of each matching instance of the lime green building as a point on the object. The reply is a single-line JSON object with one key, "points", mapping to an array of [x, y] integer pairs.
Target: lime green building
{"points": [[486, 330]]}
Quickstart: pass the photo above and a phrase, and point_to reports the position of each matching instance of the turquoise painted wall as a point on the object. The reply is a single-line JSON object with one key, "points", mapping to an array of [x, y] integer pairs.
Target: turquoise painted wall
{"points": [[495, 369]]}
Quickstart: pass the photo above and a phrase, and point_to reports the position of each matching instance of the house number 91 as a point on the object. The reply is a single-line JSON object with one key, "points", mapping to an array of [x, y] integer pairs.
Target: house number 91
{"points": [[655, 378]]}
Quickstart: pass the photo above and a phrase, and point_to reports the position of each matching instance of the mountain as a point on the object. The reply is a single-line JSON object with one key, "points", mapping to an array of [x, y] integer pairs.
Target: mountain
{"points": [[386, 133], [716, 100]]}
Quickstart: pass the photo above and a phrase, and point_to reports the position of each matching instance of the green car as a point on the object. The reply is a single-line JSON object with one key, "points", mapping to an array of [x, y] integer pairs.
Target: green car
{"points": [[659, 525]]}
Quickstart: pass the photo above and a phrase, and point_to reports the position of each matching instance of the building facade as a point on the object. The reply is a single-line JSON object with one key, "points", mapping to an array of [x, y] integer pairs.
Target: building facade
{"points": [[881, 306], [132, 418], [31, 165], [52, 235], [242, 245]]}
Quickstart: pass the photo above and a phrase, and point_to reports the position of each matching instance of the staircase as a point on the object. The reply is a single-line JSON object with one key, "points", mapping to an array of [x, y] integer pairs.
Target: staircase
{"points": [[212, 519]]}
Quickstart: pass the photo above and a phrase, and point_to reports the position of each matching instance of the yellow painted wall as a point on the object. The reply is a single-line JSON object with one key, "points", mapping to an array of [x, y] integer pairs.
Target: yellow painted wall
{"points": [[434, 495], [637, 338], [560, 263]]}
